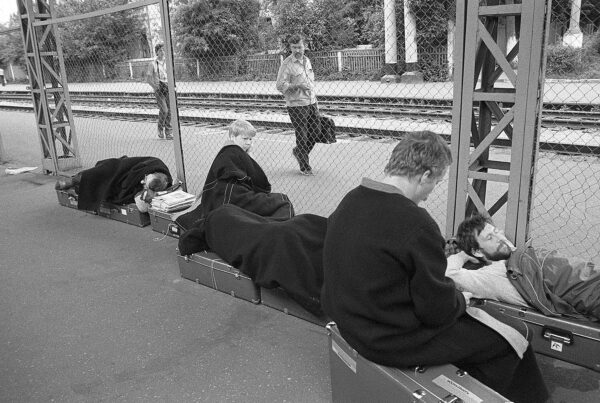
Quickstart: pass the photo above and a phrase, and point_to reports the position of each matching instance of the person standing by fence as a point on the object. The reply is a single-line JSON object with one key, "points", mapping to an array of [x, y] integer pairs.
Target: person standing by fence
{"points": [[156, 76], [296, 81]]}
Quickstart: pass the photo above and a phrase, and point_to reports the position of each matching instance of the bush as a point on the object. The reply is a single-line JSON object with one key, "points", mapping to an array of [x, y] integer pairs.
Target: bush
{"points": [[563, 61], [432, 70]]}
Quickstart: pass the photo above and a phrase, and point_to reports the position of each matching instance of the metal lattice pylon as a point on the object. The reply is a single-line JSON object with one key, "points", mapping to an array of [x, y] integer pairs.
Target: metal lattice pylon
{"points": [[480, 118], [48, 81]]}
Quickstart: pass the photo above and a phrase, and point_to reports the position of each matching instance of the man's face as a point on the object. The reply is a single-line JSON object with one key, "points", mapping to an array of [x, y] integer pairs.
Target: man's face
{"points": [[244, 141], [160, 53], [493, 244], [297, 49]]}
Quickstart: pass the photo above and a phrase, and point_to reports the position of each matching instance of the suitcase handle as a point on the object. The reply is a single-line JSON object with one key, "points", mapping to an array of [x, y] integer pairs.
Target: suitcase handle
{"points": [[562, 336]]}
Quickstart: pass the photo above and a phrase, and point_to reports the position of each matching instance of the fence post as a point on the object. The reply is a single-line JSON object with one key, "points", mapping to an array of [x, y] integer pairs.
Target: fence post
{"points": [[12, 73], [340, 62], [197, 68], [130, 71]]}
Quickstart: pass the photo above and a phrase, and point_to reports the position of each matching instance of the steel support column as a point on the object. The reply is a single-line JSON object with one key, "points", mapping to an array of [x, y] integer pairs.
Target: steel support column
{"points": [[483, 111], [48, 83]]}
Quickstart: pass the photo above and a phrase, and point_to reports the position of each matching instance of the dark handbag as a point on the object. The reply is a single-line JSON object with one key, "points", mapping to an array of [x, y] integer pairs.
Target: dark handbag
{"points": [[327, 130]]}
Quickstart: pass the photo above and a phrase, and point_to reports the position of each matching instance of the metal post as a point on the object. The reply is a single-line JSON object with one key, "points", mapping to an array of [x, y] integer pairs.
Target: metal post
{"points": [[479, 54], [391, 52], [178, 149]]}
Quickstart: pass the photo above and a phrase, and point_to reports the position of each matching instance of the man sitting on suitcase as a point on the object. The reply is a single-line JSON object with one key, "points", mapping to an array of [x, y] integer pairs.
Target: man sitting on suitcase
{"points": [[534, 277], [384, 282]]}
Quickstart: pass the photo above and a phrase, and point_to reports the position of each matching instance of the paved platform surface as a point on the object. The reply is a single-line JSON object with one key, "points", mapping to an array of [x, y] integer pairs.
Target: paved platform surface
{"points": [[559, 91], [94, 310]]}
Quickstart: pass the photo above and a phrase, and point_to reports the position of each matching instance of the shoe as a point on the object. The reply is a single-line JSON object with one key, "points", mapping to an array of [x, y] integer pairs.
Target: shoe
{"points": [[307, 172], [295, 154], [169, 136], [63, 184], [160, 134]]}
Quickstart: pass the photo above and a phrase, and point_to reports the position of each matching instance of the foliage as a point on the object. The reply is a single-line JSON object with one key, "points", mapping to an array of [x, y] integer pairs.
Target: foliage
{"points": [[216, 27], [432, 70], [11, 44], [563, 61], [431, 18], [104, 39], [295, 17], [337, 29]]}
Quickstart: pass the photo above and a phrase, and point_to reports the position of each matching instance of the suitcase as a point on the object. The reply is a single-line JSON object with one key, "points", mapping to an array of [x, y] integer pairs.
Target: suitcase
{"points": [[174, 230], [278, 299], [65, 199], [161, 221], [208, 269], [127, 213], [573, 341], [356, 379]]}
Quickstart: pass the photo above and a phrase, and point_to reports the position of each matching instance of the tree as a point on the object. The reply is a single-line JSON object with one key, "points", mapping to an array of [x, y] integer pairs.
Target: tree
{"points": [[106, 39], [296, 17], [216, 27], [11, 44], [337, 28]]}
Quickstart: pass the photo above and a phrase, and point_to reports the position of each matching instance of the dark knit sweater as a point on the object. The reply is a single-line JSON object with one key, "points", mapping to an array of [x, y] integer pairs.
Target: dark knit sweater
{"points": [[384, 275]]}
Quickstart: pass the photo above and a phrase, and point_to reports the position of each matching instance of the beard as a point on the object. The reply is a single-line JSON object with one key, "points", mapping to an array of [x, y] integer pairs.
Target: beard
{"points": [[502, 253]]}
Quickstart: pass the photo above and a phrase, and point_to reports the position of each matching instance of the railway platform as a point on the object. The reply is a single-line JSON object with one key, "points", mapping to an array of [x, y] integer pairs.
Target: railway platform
{"points": [[95, 310]]}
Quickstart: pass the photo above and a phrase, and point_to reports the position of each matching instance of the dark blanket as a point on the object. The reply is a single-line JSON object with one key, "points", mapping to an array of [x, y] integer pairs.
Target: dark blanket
{"points": [[272, 252], [235, 178], [116, 180]]}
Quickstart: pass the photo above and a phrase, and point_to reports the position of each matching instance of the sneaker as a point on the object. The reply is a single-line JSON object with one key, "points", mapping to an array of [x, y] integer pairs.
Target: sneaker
{"points": [[160, 134], [169, 136], [307, 172]]}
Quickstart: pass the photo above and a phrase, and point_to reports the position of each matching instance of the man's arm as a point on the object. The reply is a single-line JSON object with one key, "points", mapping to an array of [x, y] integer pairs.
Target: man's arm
{"points": [[488, 282], [283, 84]]}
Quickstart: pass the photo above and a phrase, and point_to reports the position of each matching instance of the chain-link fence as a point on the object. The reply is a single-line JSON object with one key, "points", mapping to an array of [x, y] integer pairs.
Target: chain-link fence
{"points": [[566, 202], [377, 68]]}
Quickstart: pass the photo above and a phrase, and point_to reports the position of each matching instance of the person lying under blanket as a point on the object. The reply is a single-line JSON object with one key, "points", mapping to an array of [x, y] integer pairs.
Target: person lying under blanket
{"points": [[121, 180], [236, 178], [272, 252], [534, 277]]}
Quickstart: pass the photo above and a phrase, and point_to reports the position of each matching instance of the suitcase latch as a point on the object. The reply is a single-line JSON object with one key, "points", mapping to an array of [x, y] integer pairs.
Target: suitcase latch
{"points": [[557, 336], [419, 394]]}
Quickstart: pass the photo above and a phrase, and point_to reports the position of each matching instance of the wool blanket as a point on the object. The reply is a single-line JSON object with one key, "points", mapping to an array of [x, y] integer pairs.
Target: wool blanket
{"points": [[116, 180], [273, 253]]}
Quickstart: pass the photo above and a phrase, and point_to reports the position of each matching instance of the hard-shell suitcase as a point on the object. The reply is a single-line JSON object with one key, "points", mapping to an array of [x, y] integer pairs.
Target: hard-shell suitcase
{"points": [[278, 299], [127, 213], [574, 341], [65, 199], [174, 230], [356, 379], [208, 269], [161, 221]]}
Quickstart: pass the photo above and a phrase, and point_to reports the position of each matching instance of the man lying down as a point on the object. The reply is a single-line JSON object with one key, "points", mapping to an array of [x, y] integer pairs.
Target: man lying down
{"points": [[121, 180], [271, 251], [531, 277]]}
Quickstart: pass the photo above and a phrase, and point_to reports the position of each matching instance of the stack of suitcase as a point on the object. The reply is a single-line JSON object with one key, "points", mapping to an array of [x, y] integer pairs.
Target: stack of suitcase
{"points": [[356, 379]]}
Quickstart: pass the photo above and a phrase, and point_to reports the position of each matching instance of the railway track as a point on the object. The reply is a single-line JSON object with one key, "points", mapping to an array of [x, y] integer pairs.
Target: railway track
{"points": [[566, 116], [553, 115]]}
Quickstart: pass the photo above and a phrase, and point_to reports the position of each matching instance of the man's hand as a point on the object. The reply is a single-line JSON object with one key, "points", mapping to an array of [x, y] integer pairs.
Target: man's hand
{"points": [[467, 296], [463, 258]]}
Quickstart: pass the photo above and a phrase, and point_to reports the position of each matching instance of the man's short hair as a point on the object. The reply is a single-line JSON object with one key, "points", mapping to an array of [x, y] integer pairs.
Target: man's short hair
{"points": [[158, 46], [240, 127], [468, 230], [159, 182], [418, 152], [295, 38]]}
